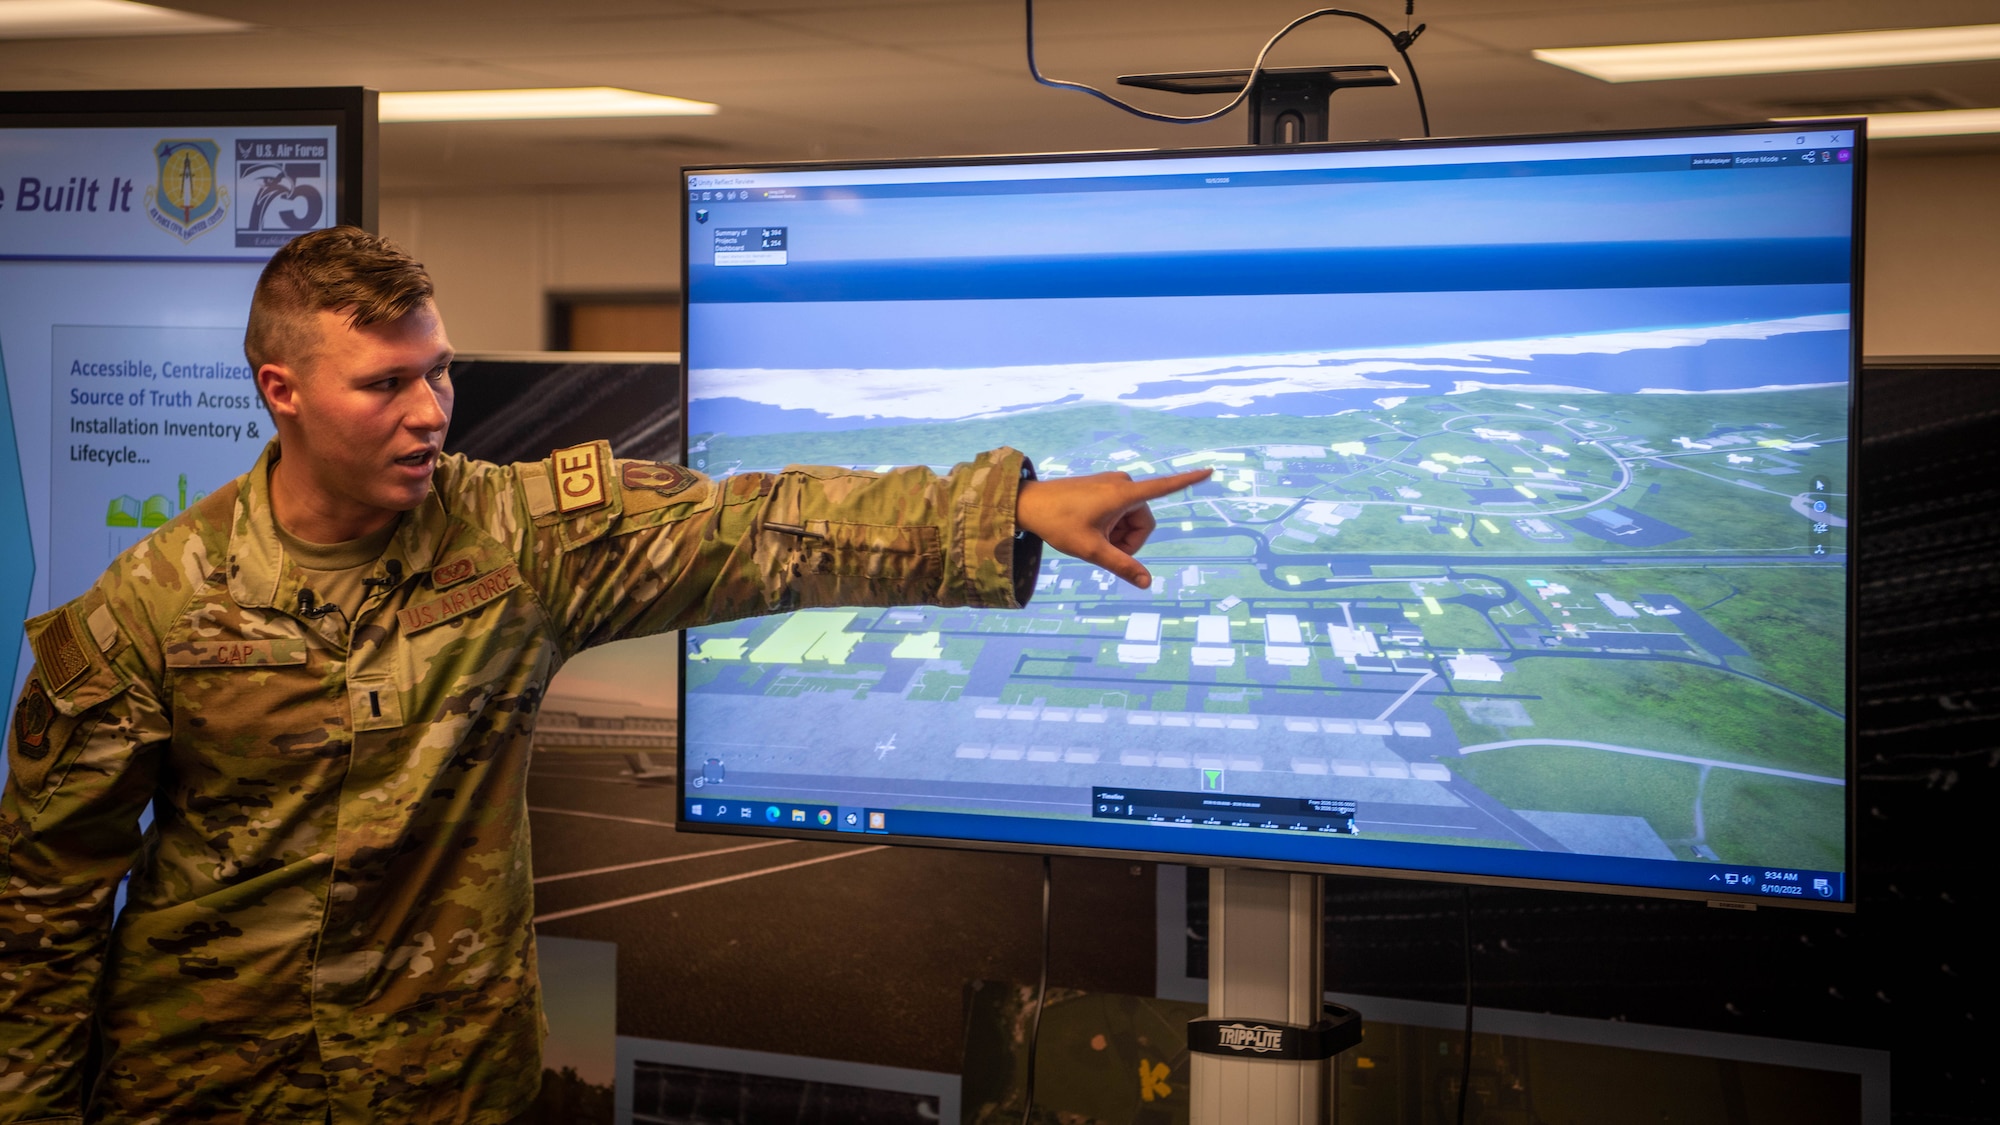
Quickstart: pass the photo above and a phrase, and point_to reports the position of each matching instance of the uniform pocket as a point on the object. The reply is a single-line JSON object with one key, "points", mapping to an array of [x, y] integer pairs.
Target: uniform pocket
{"points": [[881, 552]]}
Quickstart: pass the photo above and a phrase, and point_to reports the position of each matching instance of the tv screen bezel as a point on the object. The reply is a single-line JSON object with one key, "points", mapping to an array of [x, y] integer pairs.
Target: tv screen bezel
{"points": [[1854, 491]]}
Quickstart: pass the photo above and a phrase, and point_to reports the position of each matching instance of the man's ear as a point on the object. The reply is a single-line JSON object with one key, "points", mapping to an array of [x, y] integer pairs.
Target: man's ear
{"points": [[279, 384]]}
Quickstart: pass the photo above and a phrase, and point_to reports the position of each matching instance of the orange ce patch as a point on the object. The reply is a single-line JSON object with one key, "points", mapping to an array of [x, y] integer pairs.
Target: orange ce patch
{"points": [[579, 478]]}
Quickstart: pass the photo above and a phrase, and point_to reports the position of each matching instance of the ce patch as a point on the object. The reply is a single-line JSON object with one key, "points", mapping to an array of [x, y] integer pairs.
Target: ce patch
{"points": [[32, 717], [579, 479]]}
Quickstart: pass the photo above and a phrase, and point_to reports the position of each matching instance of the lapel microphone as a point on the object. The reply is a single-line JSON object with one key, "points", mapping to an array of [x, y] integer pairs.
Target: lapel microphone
{"points": [[309, 606], [394, 578]]}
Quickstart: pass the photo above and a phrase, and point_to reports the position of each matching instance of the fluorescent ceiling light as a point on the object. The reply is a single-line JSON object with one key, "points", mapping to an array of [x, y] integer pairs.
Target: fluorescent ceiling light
{"points": [[1648, 62], [523, 105], [67, 19], [1930, 123]]}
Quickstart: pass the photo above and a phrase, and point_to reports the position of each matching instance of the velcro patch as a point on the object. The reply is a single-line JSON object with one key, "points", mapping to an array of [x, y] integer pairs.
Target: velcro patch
{"points": [[59, 652], [236, 654], [462, 600], [452, 571], [32, 717], [579, 479], [103, 629], [656, 476]]}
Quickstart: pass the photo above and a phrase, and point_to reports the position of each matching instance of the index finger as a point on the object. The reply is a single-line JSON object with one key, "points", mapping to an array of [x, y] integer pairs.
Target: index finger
{"points": [[1154, 487]]}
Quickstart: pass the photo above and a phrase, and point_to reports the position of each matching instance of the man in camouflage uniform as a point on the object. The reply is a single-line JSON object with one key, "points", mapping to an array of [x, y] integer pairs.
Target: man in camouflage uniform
{"points": [[324, 678]]}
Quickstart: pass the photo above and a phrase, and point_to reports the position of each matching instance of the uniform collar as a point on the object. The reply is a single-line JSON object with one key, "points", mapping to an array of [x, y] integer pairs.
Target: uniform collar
{"points": [[262, 576]]}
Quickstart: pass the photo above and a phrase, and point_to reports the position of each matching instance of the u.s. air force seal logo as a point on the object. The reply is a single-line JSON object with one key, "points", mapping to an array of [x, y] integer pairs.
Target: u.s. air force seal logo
{"points": [[187, 202]]}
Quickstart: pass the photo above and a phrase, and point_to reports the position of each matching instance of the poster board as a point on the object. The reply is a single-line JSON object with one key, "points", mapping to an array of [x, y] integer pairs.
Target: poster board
{"points": [[133, 225]]}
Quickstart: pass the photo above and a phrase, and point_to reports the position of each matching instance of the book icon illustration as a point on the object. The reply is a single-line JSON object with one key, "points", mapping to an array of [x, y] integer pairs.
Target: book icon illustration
{"points": [[155, 510]]}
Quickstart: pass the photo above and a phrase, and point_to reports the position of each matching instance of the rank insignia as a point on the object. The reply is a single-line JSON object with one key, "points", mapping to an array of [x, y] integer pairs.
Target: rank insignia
{"points": [[655, 476]]}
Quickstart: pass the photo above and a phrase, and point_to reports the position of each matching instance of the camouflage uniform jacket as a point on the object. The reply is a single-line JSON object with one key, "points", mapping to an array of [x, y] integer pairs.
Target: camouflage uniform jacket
{"points": [[329, 916]]}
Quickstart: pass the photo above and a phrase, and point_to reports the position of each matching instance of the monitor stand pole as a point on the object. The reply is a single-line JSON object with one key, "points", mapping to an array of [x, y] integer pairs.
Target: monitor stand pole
{"points": [[1265, 1052]]}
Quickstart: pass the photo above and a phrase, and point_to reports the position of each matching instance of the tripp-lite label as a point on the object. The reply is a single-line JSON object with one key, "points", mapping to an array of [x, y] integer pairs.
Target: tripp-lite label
{"points": [[1258, 1039]]}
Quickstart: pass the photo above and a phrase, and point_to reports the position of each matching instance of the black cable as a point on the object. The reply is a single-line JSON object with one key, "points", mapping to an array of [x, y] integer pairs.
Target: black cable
{"points": [[1041, 998], [1465, 1062], [311, 607], [1401, 40]]}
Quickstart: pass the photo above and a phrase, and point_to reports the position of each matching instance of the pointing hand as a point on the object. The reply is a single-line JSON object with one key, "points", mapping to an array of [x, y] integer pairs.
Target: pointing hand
{"points": [[1101, 518]]}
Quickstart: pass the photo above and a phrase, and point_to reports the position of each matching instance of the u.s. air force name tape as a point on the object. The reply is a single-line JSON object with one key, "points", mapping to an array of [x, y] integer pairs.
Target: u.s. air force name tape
{"points": [[460, 600]]}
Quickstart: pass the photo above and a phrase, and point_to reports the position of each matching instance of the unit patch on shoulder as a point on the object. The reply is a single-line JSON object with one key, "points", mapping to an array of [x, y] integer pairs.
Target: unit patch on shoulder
{"points": [[657, 476], [59, 652], [31, 721], [579, 478]]}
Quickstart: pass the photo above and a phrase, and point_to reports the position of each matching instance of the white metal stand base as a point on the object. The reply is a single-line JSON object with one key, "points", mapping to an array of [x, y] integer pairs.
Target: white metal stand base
{"points": [[1265, 931]]}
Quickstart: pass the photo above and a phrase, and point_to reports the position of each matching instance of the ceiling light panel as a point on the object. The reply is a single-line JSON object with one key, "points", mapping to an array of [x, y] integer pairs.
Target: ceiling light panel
{"points": [[1930, 123], [1652, 62], [74, 19], [531, 105]]}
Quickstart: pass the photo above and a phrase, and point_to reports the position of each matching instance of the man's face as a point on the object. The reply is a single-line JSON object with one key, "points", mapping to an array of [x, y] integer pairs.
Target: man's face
{"points": [[368, 410]]}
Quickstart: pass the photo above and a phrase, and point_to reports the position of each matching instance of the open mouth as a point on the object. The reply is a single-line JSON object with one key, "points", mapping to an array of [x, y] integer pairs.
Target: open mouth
{"points": [[419, 459]]}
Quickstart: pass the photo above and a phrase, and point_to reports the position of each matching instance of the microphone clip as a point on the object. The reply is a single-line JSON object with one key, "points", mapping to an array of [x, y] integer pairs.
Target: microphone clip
{"points": [[390, 581], [310, 607]]}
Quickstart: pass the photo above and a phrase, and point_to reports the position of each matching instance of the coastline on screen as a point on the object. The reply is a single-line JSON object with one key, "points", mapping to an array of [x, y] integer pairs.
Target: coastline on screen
{"points": [[1525, 556]]}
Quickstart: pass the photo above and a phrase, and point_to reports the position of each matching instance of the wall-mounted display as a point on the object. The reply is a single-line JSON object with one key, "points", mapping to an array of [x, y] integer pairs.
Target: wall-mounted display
{"points": [[1525, 554]]}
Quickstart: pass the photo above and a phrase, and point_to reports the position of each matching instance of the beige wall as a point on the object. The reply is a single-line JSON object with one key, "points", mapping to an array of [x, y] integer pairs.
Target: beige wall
{"points": [[496, 257], [1933, 285]]}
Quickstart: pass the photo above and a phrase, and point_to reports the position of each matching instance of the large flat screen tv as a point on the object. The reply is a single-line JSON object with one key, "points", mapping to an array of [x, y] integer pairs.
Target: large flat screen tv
{"points": [[1525, 559]]}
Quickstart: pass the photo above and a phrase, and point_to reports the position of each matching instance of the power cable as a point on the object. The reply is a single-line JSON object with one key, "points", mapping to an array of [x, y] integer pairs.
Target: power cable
{"points": [[1401, 40], [1041, 998], [1465, 1055]]}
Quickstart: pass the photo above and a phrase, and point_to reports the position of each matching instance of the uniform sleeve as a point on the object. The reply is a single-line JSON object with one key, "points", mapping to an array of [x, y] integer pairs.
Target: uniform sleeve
{"points": [[83, 752], [665, 548]]}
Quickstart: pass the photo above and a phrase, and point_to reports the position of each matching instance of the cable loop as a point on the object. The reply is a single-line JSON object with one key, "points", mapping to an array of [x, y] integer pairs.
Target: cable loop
{"points": [[1401, 40]]}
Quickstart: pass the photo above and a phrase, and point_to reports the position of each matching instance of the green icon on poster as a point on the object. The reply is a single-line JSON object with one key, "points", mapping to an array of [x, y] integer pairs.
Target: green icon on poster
{"points": [[1211, 781], [124, 511]]}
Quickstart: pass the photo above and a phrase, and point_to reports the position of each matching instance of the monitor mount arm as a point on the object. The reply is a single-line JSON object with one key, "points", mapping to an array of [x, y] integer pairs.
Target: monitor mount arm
{"points": [[1288, 104]]}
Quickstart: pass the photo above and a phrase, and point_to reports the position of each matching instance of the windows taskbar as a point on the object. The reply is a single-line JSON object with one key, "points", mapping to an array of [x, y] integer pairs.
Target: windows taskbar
{"points": [[1274, 835]]}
